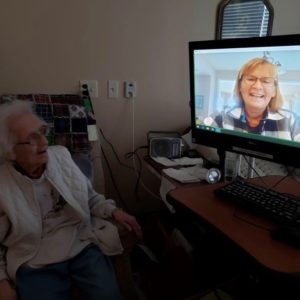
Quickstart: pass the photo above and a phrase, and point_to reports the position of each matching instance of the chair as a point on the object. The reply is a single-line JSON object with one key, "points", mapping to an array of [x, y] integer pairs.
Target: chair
{"points": [[67, 115], [121, 263]]}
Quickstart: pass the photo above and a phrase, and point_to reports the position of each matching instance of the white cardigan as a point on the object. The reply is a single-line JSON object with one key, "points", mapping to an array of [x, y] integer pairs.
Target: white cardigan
{"points": [[20, 218]]}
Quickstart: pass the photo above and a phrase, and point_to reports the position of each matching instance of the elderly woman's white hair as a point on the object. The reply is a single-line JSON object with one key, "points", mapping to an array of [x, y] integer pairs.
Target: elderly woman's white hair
{"points": [[10, 110]]}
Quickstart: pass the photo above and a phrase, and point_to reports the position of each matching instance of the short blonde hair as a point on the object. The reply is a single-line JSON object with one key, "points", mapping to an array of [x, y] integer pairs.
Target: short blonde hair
{"points": [[8, 110], [277, 101]]}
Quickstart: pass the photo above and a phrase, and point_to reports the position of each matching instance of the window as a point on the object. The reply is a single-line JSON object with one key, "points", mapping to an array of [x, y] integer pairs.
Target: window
{"points": [[244, 18]]}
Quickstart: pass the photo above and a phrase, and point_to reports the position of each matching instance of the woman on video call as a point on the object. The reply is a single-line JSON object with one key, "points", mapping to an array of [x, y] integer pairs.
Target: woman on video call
{"points": [[259, 104]]}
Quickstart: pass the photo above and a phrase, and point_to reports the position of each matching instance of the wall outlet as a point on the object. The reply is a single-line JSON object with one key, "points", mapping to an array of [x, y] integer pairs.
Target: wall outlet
{"points": [[130, 89], [92, 87]]}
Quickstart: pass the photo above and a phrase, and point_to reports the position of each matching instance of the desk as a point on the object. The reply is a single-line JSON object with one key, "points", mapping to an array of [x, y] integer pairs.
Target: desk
{"points": [[253, 240], [167, 183]]}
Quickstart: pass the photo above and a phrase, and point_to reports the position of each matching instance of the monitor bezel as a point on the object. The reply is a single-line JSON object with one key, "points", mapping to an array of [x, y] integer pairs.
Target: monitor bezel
{"points": [[268, 150]]}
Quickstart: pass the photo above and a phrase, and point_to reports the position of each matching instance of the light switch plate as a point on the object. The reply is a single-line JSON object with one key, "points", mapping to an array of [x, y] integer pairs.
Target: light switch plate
{"points": [[113, 89]]}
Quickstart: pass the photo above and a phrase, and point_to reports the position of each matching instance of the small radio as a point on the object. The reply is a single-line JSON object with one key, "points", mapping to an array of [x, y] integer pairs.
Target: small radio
{"points": [[169, 147]]}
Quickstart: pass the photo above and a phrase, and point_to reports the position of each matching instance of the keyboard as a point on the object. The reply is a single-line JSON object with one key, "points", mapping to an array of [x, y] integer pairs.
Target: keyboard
{"points": [[282, 209]]}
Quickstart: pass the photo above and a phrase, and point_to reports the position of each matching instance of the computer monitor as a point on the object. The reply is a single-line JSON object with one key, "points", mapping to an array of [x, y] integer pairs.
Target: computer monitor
{"points": [[245, 96]]}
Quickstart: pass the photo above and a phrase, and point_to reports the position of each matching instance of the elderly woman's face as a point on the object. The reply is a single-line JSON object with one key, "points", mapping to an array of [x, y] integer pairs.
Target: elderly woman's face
{"points": [[257, 88], [31, 145]]}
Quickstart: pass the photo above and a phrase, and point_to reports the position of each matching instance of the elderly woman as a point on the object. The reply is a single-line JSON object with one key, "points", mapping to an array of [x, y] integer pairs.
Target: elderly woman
{"points": [[259, 104], [52, 223]]}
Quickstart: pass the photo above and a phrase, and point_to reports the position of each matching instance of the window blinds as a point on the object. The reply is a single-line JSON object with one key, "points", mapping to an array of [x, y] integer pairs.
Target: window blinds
{"points": [[245, 19]]}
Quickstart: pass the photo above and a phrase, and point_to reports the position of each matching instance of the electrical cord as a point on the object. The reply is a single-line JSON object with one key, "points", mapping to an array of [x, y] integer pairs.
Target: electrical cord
{"points": [[261, 179], [114, 181], [137, 171], [267, 189], [255, 171], [113, 149]]}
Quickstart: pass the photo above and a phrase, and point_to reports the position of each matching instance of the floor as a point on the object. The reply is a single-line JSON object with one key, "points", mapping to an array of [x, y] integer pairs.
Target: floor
{"points": [[169, 267], [164, 266]]}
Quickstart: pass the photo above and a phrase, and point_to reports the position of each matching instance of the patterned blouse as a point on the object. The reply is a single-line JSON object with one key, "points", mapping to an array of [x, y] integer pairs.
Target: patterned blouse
{"points": [[281, 124]]}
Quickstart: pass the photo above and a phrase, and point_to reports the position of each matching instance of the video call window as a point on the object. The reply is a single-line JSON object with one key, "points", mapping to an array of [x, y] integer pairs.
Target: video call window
{"points": [[216, 73]]}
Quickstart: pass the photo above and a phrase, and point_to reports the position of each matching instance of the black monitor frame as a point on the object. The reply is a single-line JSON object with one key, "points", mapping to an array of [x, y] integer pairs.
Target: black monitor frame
{"points": [[285, 154]]}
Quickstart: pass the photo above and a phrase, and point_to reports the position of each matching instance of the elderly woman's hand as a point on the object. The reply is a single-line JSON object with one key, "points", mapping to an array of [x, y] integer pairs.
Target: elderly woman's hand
{"points": [[7, 292], [128, 221]]}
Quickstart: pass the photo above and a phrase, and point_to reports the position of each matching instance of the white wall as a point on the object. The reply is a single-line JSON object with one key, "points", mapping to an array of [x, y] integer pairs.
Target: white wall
{"points": [[48, 45]]}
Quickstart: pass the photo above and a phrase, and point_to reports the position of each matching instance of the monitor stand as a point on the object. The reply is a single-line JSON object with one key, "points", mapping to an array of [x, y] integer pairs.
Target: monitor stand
{"points": [[222, 156]]}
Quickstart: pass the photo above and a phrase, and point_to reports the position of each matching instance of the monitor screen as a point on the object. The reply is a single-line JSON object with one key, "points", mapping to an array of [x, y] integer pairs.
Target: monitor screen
{"points": [[245, 96]]}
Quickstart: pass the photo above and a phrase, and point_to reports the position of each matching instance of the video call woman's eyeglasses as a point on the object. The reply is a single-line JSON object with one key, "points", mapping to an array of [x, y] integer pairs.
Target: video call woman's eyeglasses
{"points": [[35, 136], [265, 81]]}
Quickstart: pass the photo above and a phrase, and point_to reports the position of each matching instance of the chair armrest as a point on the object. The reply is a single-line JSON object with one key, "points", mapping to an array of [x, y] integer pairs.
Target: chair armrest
{"points": [[128, 238], [122, 263]]}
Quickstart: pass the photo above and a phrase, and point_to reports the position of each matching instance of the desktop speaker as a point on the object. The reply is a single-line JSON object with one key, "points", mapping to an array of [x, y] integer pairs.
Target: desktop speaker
{"points": [[169, 147]]}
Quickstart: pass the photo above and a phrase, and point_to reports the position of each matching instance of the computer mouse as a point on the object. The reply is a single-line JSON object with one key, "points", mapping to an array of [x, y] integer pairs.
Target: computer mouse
{"points": [[287, 234]]}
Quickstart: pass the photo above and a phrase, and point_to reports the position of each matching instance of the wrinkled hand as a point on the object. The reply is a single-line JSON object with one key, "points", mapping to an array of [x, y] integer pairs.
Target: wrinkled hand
{"points": [[128, 221], [7, 292]]}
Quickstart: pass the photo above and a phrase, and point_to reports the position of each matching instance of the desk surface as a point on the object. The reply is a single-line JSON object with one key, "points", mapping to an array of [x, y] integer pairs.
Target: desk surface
{"points": [[236, 223]]}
